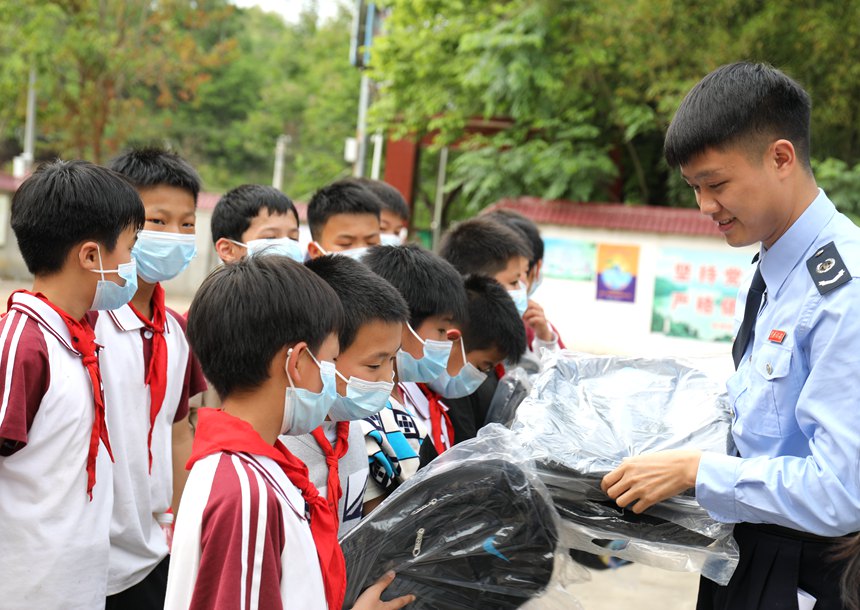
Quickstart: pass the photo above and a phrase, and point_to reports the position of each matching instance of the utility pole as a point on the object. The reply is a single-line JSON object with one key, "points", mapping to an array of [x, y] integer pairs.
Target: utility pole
{"points": [[376, 165], [361, 131], [280, 151], [439, 202], [22, 164]]}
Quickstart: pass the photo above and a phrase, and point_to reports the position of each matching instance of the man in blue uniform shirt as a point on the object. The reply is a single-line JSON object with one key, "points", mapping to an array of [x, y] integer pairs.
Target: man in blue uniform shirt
{"points": [[741, 140]]}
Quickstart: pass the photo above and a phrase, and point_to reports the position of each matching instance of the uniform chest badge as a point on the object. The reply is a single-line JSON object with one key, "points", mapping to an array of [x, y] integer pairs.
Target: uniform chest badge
{"points": [[776, 336], [827, 269]]}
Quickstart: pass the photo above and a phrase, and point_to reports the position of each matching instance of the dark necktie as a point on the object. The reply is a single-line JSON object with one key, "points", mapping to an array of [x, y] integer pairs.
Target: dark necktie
{"points": [[747, 329]]}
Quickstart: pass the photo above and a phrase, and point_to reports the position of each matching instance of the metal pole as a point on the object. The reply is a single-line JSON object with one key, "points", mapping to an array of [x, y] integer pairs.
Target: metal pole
{"points": [[376, 165], [30, 126], [280, 151], [436, 225], [361, 132]]}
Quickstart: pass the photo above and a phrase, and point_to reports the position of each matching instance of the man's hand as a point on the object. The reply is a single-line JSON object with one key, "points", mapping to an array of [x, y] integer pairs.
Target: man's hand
{"points": [[371, 598], [645, 480], [536, 320]]}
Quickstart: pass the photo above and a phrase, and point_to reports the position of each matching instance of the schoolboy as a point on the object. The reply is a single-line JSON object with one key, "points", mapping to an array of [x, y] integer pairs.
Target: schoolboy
{"points": [[534, 277], [741, 140], [343, 217], [394, 213], [484, 247], [149, 374], [492, 333], [252, 218], [434, 293], [254, 531], [75, 224], [374, 314]]}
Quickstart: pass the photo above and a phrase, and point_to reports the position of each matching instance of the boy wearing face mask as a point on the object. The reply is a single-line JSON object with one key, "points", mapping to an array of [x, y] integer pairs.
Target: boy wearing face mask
{"points": [[254, 218], [394, 213], [149, 375], [492, 333], [76, 225], [434, 293], [374, 314], [254, 529], [344, 219]]}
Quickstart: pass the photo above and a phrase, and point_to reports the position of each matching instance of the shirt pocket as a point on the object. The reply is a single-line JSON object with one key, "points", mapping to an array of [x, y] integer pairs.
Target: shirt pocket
{"points": [[772, 395]]}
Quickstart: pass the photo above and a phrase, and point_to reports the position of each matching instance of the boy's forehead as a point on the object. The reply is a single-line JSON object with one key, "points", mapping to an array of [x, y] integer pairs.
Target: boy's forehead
{"points": [[167, 199], [351, 224]]}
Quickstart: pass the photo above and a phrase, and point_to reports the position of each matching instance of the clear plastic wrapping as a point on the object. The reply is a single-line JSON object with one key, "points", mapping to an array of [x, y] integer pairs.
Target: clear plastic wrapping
{"points": [[475, 529], [511, 391], [586, 413]]}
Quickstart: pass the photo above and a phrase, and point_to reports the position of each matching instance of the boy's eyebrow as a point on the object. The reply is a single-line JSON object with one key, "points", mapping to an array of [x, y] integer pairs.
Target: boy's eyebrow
{"points": [[702, 175]]}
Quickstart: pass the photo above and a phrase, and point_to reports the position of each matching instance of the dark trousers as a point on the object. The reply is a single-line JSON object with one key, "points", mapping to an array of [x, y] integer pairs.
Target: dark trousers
{"points": [[148, 594], [773, 564]]}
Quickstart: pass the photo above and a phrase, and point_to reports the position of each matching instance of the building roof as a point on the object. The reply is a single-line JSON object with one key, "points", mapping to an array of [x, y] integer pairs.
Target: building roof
{"points": [[619, 216]]}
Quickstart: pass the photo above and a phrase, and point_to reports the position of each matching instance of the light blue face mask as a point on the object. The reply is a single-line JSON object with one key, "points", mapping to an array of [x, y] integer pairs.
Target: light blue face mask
{"points": [[162, 256], [282, 246], [305, 410], [521, 298], [388, 239], [463, 383], [363, 399], [536, 284], [110, 295], [428, 367]]}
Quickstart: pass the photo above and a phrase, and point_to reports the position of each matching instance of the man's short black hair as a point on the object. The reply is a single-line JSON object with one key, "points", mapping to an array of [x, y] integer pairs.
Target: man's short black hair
{"points": [[428, 283], [493, 319], [525, 227], [483, 246], [65, 203], [248, 310], [237, 208], [152, 166], [365, 296], [388, 196], [347, 196], [740, 104]]}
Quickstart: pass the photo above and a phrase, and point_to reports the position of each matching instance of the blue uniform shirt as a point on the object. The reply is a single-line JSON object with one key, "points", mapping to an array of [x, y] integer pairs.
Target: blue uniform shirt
{"points": [[796, 398]]}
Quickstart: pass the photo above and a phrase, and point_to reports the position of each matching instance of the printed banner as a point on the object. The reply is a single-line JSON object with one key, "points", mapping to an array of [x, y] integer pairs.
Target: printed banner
{"points": [[695, 292], [568, 259], [617, 268]]}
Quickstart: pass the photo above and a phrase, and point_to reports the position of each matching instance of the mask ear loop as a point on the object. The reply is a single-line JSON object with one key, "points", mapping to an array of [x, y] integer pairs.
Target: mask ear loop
{"points": [[101, 264], [320, 248], [414, 334]]}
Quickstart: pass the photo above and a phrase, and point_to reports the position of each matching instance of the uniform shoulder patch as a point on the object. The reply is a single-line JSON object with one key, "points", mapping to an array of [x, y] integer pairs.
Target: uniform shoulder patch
{"points": [[827, 269]]}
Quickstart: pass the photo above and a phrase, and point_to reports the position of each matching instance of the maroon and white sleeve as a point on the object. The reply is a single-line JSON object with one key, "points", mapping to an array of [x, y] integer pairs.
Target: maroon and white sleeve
{"points": [[194, 382], [241, 542], [25, 375]]}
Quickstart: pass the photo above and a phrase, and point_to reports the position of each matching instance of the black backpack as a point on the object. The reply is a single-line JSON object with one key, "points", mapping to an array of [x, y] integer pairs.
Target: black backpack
{"points": [[473, 535]]}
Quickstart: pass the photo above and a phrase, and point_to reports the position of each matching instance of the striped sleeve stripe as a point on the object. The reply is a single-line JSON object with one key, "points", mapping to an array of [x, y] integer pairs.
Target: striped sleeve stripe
{"points": [[245, 486], [259, 543], [18, 322]]}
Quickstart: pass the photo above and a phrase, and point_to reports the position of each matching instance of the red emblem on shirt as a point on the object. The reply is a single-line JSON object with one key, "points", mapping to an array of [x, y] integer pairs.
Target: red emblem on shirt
{"points": [[776, 336]]}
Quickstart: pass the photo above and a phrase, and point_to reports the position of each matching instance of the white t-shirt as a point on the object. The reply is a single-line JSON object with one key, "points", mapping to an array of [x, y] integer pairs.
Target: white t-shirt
{"points": [[137, 542], [352, 470], [242, 539], [417, 404], [53, 538]]}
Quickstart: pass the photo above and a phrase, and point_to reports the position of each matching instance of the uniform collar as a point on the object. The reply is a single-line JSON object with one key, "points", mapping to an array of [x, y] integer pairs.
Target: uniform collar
{"points": [[125, 319], [36, 307], [781, 258]]}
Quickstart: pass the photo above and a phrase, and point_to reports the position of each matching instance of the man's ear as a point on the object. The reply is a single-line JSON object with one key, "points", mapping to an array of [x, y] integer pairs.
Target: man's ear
{"points": [[88, 255], [297, 362], [315, 250], [783, 156], [227, 250]]}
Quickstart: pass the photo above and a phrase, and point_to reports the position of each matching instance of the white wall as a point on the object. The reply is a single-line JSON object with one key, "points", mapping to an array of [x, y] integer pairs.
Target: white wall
{"points": [[610, 327]]}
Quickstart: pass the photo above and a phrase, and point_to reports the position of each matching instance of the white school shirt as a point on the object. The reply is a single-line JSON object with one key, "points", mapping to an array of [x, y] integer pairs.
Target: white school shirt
{"points": [[243, 540], [53, 539], [352, 470], [137, 542], [417, 404]]}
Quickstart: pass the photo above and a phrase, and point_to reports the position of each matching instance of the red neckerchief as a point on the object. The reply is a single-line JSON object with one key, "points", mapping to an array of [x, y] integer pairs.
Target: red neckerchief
{"points": [[332, 455], [218, 431], [156, 376], [437, 416], [500, 370], [84, 341]]}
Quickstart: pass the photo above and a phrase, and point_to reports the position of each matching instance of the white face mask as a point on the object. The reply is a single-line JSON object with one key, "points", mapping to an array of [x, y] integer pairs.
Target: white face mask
{"points": [[521, 298], [387, 239], [283, 246], [354, 253]]}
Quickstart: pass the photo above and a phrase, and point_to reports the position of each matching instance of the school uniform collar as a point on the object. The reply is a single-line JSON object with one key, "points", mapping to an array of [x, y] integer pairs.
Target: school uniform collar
{"points": [[35, 306], [418, 400], [126, 320], [782, 257]]}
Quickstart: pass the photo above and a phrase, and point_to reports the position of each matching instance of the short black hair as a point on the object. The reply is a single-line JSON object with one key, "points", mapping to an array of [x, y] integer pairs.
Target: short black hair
{"points": [[741, 103], [365, 296], [526, 228], [493, 319], [483, 246], [237, 208], [428, 283], [68, 202], [248, 310], [347, 196], [388, 196], [152, 166]]}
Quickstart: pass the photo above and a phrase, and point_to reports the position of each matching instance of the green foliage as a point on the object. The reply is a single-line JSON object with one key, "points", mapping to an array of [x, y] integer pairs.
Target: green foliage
{"points": [[841, 183]]}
